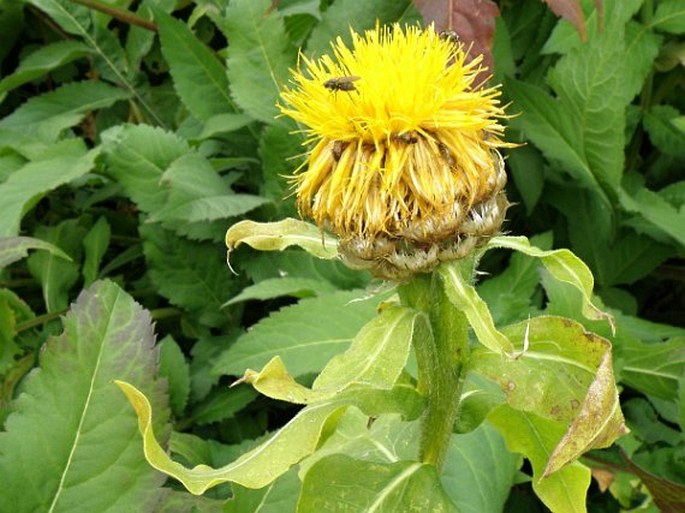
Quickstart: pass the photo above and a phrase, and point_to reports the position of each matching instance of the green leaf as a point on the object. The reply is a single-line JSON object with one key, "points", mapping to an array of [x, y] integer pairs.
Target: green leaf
{"points": [[563, 265], [259, 55], [343, 14], [13, 249], [93, 460], [191, 275], [8, 347], [199, 78], [57, 166], [173, 367], [72, 18], [465, 298], [56, 275], [222, 404], [561, 373], [42, 61], [280, 235], [222, 124], [95, 244], [297, 439], [49, 114], [180, 502], [653, 369], [278, 497], [343, 484], [669, 17], [666, 136], [535, 438], [659, 215], [277, 287], [294, 333]]}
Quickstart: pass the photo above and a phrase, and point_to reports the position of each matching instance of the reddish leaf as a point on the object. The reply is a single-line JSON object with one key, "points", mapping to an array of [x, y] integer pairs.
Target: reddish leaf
{"points": [[472, 20], [572, 12]]}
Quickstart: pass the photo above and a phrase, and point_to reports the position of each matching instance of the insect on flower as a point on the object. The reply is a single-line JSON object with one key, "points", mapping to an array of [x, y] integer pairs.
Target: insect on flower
{"points": [[341, 83]]}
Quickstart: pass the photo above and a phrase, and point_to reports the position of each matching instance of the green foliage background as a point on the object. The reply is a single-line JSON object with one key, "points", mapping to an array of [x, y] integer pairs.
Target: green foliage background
{"points": [[126, 152]]}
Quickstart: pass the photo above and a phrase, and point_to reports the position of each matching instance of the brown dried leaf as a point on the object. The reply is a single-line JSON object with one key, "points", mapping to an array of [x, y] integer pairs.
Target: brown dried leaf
{"points": [[472, 20], [572, 12]]}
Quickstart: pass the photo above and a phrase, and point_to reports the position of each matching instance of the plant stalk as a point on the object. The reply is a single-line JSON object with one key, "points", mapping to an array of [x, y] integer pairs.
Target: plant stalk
{"points": [[441, 361]]}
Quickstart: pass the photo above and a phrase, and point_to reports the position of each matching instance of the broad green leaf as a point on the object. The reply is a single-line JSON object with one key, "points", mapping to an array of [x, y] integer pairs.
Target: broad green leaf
{"points": [[220, 404], [223, 123], [464, 297], [669, 17], [299, 335], [657, 212], [71, 17], [199, 77], [277, 287], [49, 114], [297, 439], [378, 353], [87, 457], [534, 437], [191, 275], [184, 207], [563, 265], [13, 249], [343, 484], [654, 369], [562, 373], [42, 61], [280, 235], [180, 502], [278, 497], [259, 55], [57, 166], [55, 274], [173, 367], [95, 243], [343, 14], [666, 136], [279, 145]]}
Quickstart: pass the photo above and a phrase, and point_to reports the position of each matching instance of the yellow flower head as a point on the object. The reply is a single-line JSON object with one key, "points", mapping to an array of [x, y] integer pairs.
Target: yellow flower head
{"points": [[403, 164]]}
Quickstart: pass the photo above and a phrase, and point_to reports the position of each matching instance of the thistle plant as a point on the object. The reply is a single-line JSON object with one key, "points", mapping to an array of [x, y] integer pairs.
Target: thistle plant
{"points": [[403, 177]]}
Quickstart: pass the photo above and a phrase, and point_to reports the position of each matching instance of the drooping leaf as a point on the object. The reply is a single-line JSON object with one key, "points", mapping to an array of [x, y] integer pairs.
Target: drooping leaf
{"points": [[13, 249], [259, 55], [199, 77], [535, 438], [106, 336], [57, 166], [340, 483], [49, 114], [296, 335], [42, 61], [561, 373], [280, 235], [297, 439]]}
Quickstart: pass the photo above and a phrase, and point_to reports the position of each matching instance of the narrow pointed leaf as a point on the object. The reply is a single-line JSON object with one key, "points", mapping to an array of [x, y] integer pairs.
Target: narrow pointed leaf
{"points": [[13, 249], [280, 235], [463, 295], [564, 266], [91, 431]]}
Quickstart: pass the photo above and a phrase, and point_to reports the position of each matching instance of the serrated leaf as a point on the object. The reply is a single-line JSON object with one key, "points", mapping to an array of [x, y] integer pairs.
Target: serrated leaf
{"points": [[182, 206], [58, 165], [277, 287], [42, 61], [294, 333], [564, 266], [13, 249], [191, 275], [173, 367], [280, 235], [660, 215], [654, 369], [666, 136], [561, 373], [262, 465], [95, 243], [106, 335], [49, 114], [343, 14], [343, 484], [199, 77], [670, 17], [259, 55], [71, 17], [535, 438]]}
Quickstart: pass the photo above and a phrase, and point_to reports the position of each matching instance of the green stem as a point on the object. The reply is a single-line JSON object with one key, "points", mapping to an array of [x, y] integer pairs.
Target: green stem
{"points": [[119, 14], [441, 361]]}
